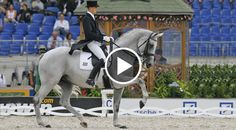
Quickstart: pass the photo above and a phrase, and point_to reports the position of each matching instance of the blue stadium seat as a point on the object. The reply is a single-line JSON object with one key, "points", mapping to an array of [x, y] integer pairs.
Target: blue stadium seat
{"points": [[205, 16], [225, 30], [75, 31], [196, 21], [8, 28], [49, 20], [17, 43], [205, 30], [53, 9], [233, 31], [215, 30], [17, 6], [74, 20], [195, 31], [37, 18], [5, 42], [47, 30], [216, 49], [226, 4], [21, 29], [232, 49], [43, 40], [30, 44], [193, 49], [197, 14], [196, 5], [217, 4], [67, 18], [216, 19], [203, 49], [233, 16], [34, 30], [206, 4], [195, 38], [226, 16]]}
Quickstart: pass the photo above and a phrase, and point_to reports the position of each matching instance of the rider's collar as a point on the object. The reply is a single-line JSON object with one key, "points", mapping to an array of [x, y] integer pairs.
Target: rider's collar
{"points": [[91, 15]]}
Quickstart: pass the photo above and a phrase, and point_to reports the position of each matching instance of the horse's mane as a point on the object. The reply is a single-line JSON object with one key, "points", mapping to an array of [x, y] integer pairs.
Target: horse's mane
{"points": [[134, 33]]}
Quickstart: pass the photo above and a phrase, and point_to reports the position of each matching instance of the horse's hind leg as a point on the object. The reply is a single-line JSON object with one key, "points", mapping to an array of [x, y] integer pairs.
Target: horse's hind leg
{"points": [[38, 98], [116, 105], [65, 101]]}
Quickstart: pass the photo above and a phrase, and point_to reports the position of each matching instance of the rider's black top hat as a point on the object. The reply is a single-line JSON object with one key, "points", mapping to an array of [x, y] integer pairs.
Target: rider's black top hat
{"points": [[92, 3]]}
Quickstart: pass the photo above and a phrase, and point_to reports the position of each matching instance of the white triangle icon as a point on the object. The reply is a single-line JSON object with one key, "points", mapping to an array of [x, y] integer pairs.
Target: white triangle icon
{"points": [[122, 65]]}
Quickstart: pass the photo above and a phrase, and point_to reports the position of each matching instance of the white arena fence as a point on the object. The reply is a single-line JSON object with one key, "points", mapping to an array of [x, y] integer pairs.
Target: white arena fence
{"points": [[223, 108]]}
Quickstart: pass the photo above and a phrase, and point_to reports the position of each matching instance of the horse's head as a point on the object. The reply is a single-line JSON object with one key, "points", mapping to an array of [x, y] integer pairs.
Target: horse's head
{"points": [[147, 46], [145, 43]]}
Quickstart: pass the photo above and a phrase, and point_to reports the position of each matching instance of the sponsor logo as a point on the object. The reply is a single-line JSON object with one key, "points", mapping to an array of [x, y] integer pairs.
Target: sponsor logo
{"points": [[147, 112], [226, 105], [189, 105]]}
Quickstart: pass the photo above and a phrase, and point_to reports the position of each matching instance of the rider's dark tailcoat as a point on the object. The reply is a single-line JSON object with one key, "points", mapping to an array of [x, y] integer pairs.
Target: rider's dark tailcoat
{"points": [[91, 29]]}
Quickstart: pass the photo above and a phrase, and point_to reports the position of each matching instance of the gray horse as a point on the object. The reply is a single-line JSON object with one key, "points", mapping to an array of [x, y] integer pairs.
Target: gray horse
{"points": [[57, 67]]}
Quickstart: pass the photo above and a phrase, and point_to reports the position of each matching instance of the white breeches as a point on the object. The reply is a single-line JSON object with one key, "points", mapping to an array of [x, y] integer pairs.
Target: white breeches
{"points": [[97, 51]]}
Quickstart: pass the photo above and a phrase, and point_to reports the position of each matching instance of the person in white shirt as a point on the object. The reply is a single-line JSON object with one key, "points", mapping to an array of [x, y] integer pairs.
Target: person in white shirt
{"points": [[11, 14], [37, 6], [54, 41], [68, 40], [62, 25]]}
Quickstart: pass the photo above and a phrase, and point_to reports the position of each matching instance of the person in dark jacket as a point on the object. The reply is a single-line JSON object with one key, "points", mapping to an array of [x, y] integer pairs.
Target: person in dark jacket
{"points": [[94, 37], [25, 14]]}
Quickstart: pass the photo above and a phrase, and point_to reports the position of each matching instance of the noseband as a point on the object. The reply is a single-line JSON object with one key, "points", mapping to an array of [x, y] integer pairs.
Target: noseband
{"points": [[146, 53]]}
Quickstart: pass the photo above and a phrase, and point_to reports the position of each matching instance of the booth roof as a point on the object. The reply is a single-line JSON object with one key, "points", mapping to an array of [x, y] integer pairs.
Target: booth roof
{"points": [[139, 7]]}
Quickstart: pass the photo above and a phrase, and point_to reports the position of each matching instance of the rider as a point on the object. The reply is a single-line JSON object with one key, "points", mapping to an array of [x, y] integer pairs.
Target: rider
{"points": [[94, 37]]}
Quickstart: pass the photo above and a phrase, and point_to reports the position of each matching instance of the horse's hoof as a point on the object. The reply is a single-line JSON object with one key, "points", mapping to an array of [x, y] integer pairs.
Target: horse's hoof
{"points": [[121, 126], [48, 126], [141, 104], [84, 124]]}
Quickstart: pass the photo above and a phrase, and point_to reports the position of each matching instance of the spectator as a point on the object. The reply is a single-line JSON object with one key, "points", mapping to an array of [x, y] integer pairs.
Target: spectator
{"points": [[6, 3], [159, 59], [61, 4], [68, 41], [28, 2], [62, 25], [10, 14], [25, 14], [2, 81], [54, 41], [71, 6], [37, 6]]}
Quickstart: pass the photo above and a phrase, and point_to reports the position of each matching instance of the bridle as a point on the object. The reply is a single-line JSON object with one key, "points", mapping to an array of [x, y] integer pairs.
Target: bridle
{"points": [[146, 53]]}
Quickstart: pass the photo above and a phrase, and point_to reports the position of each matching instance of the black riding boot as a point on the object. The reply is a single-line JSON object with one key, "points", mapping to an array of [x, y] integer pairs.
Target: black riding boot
{"points": [[94, 72]]}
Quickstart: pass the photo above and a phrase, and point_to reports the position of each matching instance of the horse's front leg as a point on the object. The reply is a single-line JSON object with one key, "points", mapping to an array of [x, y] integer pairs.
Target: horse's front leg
{"points": [[116, 105], [144, 92]]}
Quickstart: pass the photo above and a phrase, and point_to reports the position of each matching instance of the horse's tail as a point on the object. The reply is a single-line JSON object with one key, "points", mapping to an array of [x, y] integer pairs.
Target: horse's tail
{"points": [[41, 56], [38, 81]]}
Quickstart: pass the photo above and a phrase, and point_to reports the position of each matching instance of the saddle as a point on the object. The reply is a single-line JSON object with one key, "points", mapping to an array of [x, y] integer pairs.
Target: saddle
{"points": [[85, 59], [82, 45]]}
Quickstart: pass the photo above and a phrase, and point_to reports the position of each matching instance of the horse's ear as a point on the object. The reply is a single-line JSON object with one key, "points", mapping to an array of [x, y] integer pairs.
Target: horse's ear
{"points": [[157, 34]]}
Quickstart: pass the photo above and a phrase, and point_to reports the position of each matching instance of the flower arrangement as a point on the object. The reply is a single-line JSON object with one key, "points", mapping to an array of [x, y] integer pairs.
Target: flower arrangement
{"points": [[141, 17]]}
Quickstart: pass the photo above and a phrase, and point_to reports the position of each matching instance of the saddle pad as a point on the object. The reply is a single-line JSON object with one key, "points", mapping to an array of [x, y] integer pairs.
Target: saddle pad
{"points": [[86, 61]]}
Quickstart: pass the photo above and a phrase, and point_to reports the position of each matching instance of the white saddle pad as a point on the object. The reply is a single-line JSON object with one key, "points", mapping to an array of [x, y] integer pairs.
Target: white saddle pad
{"points": [[86, 61]]}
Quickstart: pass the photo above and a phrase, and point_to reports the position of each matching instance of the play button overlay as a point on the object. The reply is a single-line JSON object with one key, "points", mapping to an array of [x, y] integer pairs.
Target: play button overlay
{"points": [[123, 66]]}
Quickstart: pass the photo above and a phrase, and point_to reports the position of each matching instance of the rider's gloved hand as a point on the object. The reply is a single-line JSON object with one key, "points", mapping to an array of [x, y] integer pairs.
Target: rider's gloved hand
{"points": [[106, 38], [112, 39]]}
